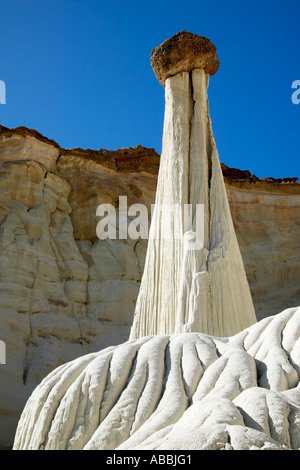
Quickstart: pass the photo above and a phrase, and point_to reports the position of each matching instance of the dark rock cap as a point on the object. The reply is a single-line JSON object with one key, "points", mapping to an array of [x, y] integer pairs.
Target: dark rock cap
{"points": [[184, 52]]}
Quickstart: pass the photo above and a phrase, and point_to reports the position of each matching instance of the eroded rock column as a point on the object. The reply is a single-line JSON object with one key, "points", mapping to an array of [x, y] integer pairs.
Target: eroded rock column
{"points": [[185, 288]]}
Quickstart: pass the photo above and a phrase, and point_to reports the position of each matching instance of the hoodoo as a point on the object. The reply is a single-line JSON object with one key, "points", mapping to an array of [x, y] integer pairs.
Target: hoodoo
{"points": [[188, 287], [224, 386]]}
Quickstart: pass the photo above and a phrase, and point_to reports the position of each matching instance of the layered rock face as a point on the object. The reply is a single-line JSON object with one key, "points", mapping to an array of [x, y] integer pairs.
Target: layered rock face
{"points": [[63, 292], [38, 260], [184, 392], [266, 217]]}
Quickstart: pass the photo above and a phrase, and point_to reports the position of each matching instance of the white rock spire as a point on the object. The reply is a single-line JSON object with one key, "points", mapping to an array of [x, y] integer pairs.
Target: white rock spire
{"points": [[183, 289]]}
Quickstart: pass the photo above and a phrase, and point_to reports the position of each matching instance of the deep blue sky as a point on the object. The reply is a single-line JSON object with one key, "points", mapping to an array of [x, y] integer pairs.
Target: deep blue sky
{"points": [[79, 72]]}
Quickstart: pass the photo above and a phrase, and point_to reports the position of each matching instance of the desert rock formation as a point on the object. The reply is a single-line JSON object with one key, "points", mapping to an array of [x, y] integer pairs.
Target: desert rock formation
{"points": [[189, 286], [64, 294], [185, 392], [175, 391]]}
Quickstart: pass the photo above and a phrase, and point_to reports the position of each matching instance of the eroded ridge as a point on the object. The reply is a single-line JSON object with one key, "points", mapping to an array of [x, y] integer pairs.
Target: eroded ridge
{"points": [[184, 391]]}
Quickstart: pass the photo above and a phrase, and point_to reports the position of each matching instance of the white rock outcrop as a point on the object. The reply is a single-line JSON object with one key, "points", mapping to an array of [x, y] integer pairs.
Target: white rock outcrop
{"points": [[186, 289], [189, 391]]}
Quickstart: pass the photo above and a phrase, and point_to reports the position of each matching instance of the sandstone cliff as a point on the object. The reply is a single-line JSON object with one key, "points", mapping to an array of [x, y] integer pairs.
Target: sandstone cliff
{"points": [[64, 293]]}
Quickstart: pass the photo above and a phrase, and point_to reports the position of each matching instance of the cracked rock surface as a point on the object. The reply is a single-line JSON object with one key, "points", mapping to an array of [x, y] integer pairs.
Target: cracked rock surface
{"points": [[186, 391]]}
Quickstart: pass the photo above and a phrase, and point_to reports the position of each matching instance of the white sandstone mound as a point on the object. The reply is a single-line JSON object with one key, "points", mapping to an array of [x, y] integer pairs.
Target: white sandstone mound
{"points": [[185, 289], [188, 391]]}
